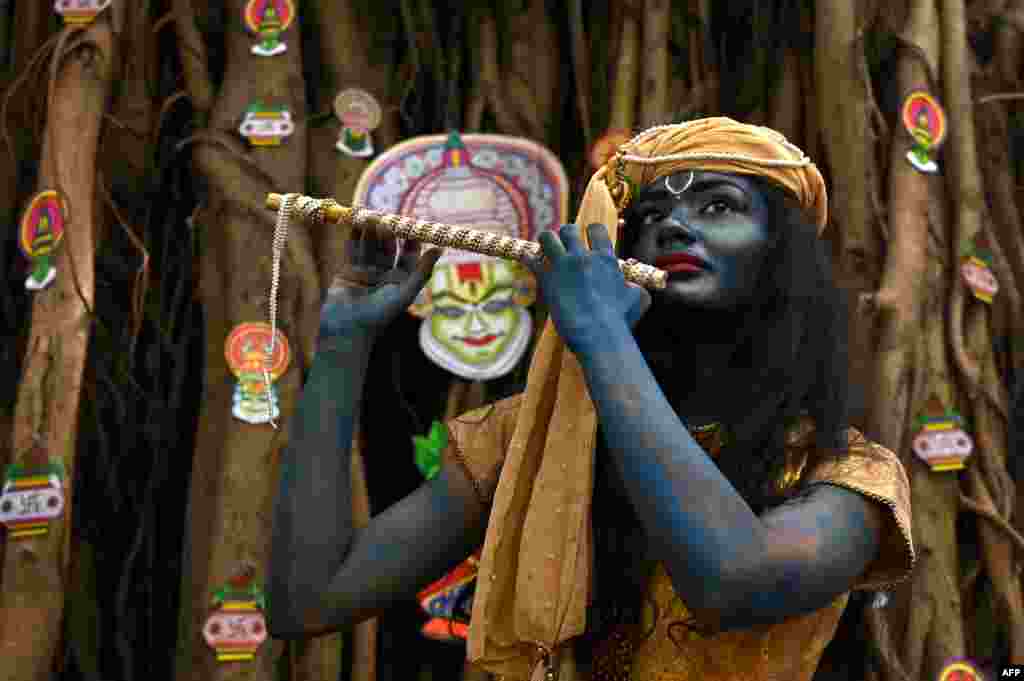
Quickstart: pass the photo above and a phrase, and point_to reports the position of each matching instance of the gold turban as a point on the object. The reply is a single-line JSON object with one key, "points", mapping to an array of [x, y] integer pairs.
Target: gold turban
{"points": [[535, 571]]}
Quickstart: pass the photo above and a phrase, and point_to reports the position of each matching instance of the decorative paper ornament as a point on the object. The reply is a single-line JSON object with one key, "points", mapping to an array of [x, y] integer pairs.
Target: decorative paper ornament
{"points": [[960, 669], [80, 12], [33, 495], [42, 228], [265, 126], [474, 308], [976, 269], [429, 449], [602, 149], [268, 19], [246, 350], [236, 627], [359, 113], [941, 443], [449, 602], [925, 121]]}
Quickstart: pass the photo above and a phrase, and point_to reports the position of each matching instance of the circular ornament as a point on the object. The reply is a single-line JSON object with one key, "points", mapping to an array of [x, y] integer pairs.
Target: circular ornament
{"points": [[264, 126], [80, 12], [979, 278], [42, 225], [924, 119], [358, 109], [246, 348], [960, 669], [256, 10], [943, 446], [606, 145]]}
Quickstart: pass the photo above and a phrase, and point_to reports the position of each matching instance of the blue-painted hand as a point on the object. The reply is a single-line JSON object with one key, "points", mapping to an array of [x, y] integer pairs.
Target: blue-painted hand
{"points": [[584, 290]]}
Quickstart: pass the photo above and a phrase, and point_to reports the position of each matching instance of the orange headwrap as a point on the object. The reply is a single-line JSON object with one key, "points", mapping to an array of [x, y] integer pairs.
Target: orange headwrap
{"points": [[535, 569]]}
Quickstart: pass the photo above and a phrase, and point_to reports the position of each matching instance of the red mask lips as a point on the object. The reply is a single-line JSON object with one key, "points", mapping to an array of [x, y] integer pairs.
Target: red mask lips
{"points": [[680, 262], [479, 342]]}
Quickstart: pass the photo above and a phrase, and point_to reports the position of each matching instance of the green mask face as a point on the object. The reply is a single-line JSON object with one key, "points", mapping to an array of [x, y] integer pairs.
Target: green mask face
{"points": [[476, 323]]}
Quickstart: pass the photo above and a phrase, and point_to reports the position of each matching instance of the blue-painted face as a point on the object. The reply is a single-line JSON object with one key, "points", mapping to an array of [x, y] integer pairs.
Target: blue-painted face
{"points": [[710, 233]]}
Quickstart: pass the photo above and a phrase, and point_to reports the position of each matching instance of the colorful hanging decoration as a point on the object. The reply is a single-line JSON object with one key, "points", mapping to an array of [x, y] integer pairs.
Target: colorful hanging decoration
{"points": [[246, 350], [941, 443], [80, 12], [976, 269], [359, 113], [33, 495], [267, 20], [236, 627], [42, 228], [960, 669], [602, 149], [475, 321], [925, 121], [428, 449], [266, 126], [449, 602]]}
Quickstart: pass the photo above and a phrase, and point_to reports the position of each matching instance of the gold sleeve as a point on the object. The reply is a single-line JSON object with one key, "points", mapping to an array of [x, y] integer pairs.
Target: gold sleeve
{"points": [[875, 472], [477, 442]]}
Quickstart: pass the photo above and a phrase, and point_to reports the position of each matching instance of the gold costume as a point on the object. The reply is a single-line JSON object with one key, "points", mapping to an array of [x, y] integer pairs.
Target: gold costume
{"points": [[789, 650]]}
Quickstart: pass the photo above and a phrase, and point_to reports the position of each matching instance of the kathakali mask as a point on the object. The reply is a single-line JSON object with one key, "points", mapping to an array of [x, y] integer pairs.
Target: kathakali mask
{"points": [[475, 321]]}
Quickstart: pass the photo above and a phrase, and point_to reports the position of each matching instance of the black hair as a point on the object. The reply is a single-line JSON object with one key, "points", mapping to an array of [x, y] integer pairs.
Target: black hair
{"points": [[790, 357]]}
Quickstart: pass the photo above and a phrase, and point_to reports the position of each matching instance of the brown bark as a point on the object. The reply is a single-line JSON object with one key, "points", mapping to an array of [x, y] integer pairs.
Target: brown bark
{"points": [[964, 177], [233, 474], [908, 366], [785, 104], [969, 330], [520, 90], [36, 570], [842, 101], [627, 72], [654, 93], [581, 68], [192, 53]]}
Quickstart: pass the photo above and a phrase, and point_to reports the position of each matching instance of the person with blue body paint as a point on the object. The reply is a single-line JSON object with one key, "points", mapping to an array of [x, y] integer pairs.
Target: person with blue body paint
{"points": [[676, 494]]}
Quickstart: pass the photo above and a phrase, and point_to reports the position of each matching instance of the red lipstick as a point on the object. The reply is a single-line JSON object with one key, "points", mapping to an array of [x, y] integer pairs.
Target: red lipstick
{"points": [[680, 262]]}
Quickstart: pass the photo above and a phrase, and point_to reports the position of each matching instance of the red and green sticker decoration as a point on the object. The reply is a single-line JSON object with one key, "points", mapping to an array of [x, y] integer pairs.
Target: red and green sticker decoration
{"points": [[449, 600], [80, 12], [39, 235], [267, 20], [246, 350], [941, 441], [976, 270], [960, 669], [33, 495], [359, 114], [236, 627], [266, 126], [925, 121]]}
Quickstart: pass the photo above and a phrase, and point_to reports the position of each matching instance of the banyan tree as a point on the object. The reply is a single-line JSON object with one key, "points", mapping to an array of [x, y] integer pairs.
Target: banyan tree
{"points": [[138, 141]]}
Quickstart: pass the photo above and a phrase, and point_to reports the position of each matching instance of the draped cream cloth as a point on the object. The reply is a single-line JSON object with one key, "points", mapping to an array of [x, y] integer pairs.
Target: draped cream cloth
{"points": [[535, 571]]}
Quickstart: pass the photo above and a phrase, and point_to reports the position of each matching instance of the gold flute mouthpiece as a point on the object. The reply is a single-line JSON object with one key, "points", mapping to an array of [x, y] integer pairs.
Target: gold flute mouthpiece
{"points": [[324, 211]]}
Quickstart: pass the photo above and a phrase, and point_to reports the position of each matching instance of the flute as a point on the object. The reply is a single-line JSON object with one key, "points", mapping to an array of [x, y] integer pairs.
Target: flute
{"points": [[323, 211]]}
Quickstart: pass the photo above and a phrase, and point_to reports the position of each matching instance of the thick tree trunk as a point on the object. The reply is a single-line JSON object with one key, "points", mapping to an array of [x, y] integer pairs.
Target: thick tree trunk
{"points": [[234, 470], [972, 342], [842, 101], [654, 93], [627, 70], [35, 570]]}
